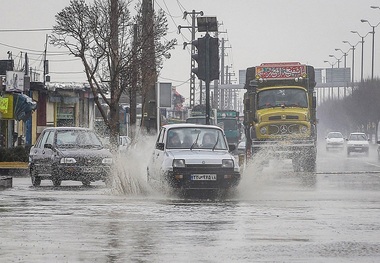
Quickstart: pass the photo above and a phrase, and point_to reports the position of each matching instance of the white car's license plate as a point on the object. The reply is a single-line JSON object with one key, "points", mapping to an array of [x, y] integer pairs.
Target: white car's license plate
{"points": [[90, 169], [203, 177], [358, 148]]}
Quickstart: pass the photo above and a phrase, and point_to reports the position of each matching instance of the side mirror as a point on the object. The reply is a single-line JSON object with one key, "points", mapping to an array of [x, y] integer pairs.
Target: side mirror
{"points": [[231, 147], [48, 145], [160, 146]]}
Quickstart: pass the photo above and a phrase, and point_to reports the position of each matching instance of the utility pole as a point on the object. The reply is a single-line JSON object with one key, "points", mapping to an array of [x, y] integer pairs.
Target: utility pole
{"points": [[133, 89], [222, 91], [193, 28], [149, 73]]}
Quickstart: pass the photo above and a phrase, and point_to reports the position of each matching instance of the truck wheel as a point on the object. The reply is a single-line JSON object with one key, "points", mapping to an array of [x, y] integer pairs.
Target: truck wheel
{"points": [[296, 164], [310, 161]]}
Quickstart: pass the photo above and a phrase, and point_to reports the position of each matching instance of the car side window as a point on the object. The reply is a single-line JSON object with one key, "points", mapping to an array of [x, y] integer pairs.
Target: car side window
{"points": [[44, 139], [161, 136], [50, 137]]}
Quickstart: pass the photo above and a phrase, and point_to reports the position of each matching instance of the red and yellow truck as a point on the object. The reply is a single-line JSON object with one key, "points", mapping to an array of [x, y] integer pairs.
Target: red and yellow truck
{"points": [[280, 113]]}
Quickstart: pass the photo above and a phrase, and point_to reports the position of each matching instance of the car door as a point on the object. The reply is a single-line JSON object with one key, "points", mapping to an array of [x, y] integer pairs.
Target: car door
{"points": [[44, 159], [158, 154]]}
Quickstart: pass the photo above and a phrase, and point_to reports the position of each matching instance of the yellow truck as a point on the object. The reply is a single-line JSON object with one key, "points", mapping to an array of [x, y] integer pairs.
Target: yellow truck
{"points": [[280, 113]]}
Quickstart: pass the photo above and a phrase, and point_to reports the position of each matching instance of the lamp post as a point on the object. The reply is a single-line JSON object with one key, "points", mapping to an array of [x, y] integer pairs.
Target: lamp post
{"points": [[353, 60], [344, 55], [362, 37], [345, 66], [373, 41], [337, 59], [330, 94]]}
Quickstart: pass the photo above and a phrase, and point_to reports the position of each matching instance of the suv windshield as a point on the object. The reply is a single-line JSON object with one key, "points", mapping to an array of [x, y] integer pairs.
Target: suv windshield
{"points": [[191, 138]]}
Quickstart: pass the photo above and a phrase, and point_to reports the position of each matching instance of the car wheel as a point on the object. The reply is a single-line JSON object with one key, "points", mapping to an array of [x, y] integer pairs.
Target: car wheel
{"points": [[56, 182], [36, 180]]}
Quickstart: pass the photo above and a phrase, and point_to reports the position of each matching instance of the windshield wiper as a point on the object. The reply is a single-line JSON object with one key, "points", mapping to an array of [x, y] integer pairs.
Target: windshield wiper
{"points": [[217, 140], [195, 142]]}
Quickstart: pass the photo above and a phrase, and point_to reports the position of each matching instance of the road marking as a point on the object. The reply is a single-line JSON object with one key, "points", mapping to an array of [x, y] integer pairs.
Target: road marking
{"points": [[372, 164], [350, 172]]}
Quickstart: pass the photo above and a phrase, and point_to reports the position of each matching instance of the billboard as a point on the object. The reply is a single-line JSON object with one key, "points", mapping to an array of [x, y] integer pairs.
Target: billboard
{"points": [[334, 75], [14, 81]]}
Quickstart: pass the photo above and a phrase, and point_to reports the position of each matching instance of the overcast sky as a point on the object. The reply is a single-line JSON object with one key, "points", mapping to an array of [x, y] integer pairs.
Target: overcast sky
{"points": [[257, 31]]}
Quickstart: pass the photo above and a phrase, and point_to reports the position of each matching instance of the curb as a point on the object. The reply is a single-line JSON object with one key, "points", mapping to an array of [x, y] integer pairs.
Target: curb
{"points": [[14, 169]]}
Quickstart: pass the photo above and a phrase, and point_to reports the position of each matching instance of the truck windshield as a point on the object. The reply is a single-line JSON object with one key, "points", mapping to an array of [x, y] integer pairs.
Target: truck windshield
{"points": [[289, 97]]}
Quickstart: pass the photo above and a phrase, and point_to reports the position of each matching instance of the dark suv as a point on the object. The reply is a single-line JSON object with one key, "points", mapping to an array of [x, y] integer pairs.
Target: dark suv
{"points": [[69, 153]]}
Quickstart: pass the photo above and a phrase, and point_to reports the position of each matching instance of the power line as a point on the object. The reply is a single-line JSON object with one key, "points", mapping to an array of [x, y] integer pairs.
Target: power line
{"points": [[26, 30]]}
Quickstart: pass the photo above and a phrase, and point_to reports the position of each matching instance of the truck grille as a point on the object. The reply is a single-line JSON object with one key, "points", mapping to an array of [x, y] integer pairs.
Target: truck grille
{"points": [[279, 129], [287, 117]]}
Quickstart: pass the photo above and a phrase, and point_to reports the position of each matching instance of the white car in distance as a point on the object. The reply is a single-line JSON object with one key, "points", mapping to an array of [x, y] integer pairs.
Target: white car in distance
{"points": [[334, 140], [357, 142]]}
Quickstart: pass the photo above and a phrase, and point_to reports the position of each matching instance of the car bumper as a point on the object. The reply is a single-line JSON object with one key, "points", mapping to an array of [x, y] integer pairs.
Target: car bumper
{"points": [[335, 146], [357, 148], [218, 179], [80, 173]]}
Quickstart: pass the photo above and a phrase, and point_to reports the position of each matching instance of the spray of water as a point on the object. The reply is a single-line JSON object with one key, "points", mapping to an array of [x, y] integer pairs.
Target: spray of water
{"points": [[129, 175]]}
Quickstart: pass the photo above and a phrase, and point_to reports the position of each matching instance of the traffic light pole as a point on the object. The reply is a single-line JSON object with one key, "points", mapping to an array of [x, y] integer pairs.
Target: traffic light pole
{"points": [[207, 38]]}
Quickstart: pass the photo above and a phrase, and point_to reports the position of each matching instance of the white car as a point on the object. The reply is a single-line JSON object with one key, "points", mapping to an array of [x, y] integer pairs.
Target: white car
{"points": [[193, 157], [334, 140], [358, 142]]}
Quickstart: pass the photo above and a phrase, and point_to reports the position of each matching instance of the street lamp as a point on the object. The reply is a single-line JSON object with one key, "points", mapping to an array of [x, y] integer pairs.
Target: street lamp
{"points": [[330, 91], [353, 60], [344, 55], [337, 59], [362, 37], [373, 41]]}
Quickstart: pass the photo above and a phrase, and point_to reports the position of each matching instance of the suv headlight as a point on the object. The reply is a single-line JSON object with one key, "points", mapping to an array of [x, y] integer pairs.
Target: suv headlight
{"points": [[68, 160], [107, 161], [227, 163], [178, 163]]}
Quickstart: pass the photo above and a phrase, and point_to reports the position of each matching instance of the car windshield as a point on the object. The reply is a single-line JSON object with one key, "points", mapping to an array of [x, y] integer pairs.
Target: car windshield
{"points": [[334, 135], [358, 137], [196, 138], [288, 97], [77, 138]]}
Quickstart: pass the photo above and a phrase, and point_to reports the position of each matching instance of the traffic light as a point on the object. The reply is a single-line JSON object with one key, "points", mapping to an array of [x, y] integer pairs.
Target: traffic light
{"points": [[214, 58], [200, 58]]}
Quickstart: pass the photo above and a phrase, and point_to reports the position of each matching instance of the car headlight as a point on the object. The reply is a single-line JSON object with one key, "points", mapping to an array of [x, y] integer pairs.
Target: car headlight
{"points": [[227, 163], [303, 129], [68, 160], [178, 163], [107, 161], [263, 130]]}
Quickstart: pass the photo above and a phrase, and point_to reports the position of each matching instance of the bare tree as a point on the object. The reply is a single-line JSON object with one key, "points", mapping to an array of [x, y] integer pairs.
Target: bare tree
{"points": [[102, 36]]}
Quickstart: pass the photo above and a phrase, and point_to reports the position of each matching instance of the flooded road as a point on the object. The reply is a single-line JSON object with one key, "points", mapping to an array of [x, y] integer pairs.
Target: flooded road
{"points": [[276, 216]]}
